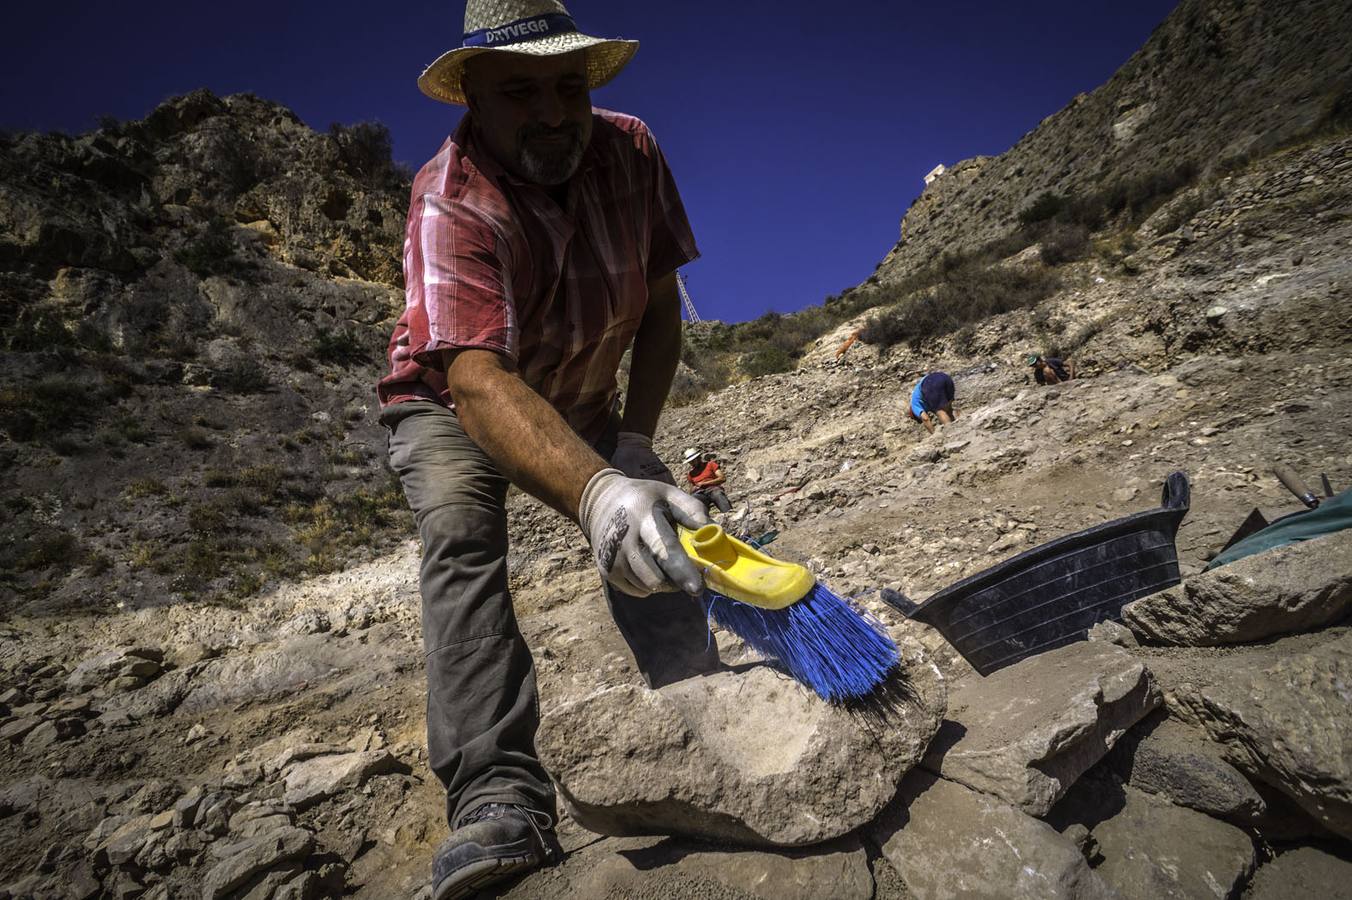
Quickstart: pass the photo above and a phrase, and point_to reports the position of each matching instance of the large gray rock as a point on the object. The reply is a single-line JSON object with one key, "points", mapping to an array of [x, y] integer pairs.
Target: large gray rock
{"points": [[1303, 872], [1154, 850], [1287, 722], [745, 756], [1026, 732], [256, 856], [1162, 756], [947, 841], [650, 868], [1296, 588], [102, 668], [313, 780]]}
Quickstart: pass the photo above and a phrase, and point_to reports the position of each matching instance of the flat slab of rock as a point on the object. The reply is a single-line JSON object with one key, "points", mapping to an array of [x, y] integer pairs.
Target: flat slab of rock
{"points": [[745, 756], [1162, 756], [1026, 732], [1296, 588], [256, 856], [1303, 872], [949, 842], [1154, 850], [1286, 722], [653, 868], [312, 780]]}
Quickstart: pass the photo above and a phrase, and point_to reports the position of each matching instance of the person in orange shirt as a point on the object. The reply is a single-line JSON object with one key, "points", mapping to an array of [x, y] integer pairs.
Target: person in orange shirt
{"points": [[706, 479]]}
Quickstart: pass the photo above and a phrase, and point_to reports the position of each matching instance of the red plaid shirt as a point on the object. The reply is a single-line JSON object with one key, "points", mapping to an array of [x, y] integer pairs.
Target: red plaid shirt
{"points": [[492, 262]]}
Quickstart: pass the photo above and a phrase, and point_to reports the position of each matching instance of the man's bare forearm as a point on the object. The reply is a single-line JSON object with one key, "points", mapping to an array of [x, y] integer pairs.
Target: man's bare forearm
{"points": [[657, 350], [528, 440]]}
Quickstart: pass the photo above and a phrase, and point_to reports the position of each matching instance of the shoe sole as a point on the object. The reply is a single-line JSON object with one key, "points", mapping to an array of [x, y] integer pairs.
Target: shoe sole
{"points": [[471, 879]]}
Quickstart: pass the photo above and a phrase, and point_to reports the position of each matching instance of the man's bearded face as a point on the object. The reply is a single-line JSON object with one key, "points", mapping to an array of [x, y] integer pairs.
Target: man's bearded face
{"points": [[549, 155], [533, 113]]}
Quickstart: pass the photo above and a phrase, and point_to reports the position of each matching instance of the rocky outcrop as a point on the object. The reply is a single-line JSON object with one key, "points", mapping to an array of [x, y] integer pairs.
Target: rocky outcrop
{"points": [[1182, 765], [1147, 848], [1168, 106], [743, 756], [634, 867], [1287, 723], [947, 842], [1295, 588], [1026, 732], [185, 267], [1303, 872]]}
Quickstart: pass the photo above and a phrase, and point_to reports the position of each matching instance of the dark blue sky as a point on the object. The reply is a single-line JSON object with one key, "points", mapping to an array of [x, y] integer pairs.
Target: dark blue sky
{"points": [[799, 133]]}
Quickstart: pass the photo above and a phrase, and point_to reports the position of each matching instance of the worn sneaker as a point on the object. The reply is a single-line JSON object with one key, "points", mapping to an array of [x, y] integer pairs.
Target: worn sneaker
{"points": [[494, 842]]}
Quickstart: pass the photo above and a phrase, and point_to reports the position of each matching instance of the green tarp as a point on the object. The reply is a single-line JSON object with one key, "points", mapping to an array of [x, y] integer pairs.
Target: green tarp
{"points": [[1333, 514]]}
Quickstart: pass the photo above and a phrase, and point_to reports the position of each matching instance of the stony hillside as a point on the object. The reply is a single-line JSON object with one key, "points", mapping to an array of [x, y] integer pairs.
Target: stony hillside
{"points": [[193, 309], [210, 658], [1219, 83]]}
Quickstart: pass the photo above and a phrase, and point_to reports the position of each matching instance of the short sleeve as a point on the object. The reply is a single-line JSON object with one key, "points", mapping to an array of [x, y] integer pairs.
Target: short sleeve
{"points": [[671, 244], [459, 295]]}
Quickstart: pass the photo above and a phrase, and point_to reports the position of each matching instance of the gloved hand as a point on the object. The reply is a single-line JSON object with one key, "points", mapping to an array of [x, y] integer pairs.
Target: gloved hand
{"points": [[634, 457], [628, 522]]}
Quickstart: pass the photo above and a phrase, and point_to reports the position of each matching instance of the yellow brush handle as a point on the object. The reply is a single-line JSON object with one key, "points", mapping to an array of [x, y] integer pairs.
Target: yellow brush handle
{"points": [[738, 570]]}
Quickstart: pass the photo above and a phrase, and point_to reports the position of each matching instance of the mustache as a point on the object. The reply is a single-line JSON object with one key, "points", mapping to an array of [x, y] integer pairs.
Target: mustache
{"points": [[568, 129]]}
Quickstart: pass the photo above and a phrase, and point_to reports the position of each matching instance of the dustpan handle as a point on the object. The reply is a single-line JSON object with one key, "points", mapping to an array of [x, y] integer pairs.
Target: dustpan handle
{"points": [[1177, 492]]}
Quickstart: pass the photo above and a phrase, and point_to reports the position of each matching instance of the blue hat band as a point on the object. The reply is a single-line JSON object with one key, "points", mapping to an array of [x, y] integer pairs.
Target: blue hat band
{"points": [[530, 29]]}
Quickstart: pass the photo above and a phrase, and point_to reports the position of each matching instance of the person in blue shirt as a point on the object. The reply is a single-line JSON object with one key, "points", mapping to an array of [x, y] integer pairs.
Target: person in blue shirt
{"points": [[932, 400]]}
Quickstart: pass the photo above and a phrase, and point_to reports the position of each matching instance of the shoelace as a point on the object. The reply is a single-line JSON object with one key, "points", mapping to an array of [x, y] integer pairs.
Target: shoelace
{"points": [[539, 822]]}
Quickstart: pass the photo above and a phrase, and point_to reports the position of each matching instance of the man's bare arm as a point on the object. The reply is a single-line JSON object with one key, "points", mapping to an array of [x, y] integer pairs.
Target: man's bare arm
{"points": [[657, 350], [520, 431]]}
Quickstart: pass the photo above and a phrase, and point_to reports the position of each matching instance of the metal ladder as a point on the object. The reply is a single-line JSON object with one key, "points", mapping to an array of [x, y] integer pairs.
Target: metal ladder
{"points": [[690, 313]]}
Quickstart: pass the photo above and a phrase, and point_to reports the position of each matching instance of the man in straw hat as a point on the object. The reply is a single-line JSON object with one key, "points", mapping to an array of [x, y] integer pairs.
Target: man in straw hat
{"points": [[543, 238]]}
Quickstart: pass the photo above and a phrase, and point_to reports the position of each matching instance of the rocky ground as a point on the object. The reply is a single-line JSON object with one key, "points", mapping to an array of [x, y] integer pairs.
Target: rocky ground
{"points": [[275, 749], [210, 661]]}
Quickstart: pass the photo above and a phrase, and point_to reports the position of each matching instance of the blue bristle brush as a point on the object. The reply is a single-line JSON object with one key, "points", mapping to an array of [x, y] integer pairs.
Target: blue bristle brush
{"points": [[781, 611]]}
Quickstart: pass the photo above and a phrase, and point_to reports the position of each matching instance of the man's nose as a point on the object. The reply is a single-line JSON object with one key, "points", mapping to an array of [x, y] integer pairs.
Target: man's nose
{"points": [[550, 109]]}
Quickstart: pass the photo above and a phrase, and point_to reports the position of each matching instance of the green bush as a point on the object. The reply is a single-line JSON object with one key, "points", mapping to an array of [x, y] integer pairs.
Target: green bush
{"points": [[211, 253], [1044, 208], [241, 377], [344, 347], [970, 295], [1064, 243], [365, 152], [50, 548], [46, 409], [767, 361], [194, 438]]}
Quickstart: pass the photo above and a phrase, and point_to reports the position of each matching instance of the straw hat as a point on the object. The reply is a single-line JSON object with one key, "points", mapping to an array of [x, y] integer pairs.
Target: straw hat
{"points": [[532, 27], [690, 455]]}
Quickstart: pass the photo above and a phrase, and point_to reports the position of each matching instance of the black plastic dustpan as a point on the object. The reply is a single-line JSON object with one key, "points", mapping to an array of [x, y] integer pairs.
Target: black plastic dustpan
{"points": [[1052, 595]]}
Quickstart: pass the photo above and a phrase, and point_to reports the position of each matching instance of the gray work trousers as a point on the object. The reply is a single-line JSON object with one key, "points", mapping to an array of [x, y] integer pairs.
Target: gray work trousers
{"points": [[482, 707]]}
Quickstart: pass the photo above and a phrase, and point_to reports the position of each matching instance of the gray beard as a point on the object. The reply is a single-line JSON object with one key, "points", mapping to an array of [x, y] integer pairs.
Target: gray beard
{"points": [[549, 169]]}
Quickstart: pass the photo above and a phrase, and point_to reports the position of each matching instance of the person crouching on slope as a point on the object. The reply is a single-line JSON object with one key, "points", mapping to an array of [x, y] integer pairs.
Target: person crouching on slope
{"points": [[706, 480], [932, 399], [542, 239], [1050, 369]]}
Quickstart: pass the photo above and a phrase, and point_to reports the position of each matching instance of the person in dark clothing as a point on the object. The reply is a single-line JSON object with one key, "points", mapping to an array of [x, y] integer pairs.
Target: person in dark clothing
{"points": [[1051, 369], [932, 400]]}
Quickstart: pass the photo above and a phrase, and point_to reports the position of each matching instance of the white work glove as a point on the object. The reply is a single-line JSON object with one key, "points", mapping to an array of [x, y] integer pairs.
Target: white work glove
{"points": [[628, 522], [634, 457]]}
